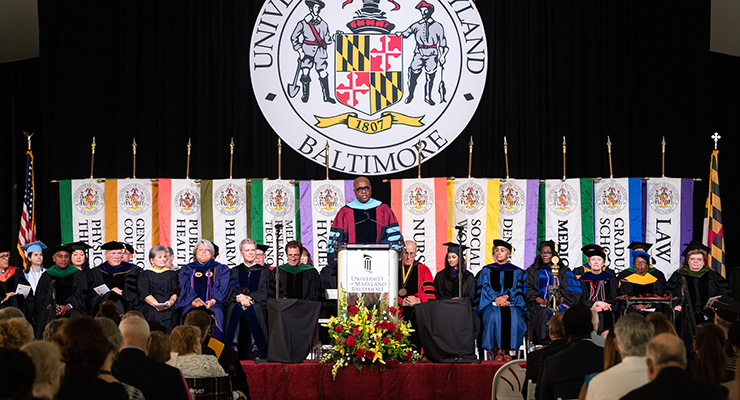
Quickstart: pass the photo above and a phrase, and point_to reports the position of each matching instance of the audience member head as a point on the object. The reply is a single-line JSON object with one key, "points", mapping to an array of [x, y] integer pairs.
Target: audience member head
{"points": [[159, 349], [733, 335], [52, 327], [108, 309], [11, 312], [633, 333], [611, 353], [84, 347], [48, 361], [724, 319], [185, 339], [133, 313], [111, 332], [577, 322], [201, 319], [306, 257], [710, 361], [661, 324], [17, 374], [556, 327], [663, 351], [135, 332], [15, 332]]}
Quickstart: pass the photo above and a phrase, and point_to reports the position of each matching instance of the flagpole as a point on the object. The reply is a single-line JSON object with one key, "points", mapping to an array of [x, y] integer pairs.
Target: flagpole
{"points": [[327, 160], [134, 147], [470, 157], [280, 159], [92, 158], [418, 157], [28, 136], [506, 157], [231, 162], [564, 148], [609, 146], [187, 167], [663, 145]]}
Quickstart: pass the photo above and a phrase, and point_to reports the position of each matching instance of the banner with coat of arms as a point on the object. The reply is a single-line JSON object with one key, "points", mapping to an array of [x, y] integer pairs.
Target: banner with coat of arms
{"points": [[475, 204], [275, 206], [421, 208], [618, 218], [668, 220], [224, 217], [319, 203], [82, 210], [518, 200], [566, 216], [179, 217], [132, 215]]}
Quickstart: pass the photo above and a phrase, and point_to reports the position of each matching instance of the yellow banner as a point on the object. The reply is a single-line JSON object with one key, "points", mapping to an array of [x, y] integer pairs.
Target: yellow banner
{"points": [[386, 120]]}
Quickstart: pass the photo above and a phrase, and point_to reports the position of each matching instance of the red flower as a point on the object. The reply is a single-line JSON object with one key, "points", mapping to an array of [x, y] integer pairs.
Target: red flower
{"points": [[391, 326], [393, 363], [356, 331], [386, 340], [393, 310], [399, 336], [353, 310], [369, 316], [360, 353], [409, 355], [339, 328], [351, 341], [370, 354]]}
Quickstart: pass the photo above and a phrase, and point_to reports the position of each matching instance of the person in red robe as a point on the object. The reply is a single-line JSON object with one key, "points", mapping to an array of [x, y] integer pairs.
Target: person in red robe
{"points": [[416, 285]]}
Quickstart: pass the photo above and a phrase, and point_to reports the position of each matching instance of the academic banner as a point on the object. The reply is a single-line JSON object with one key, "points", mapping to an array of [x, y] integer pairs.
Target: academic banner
{"points": [[566, 216], [421, 208], [517, 204], [82, 210], [179, 217], [668, 220], [475, 202], [618, 218], [319, 203], [275, 202], [132, 215], [224, 217]]}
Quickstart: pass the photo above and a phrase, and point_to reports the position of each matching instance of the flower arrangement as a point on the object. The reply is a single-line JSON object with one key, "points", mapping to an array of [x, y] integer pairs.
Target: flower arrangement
{"points": [[376, 337]]}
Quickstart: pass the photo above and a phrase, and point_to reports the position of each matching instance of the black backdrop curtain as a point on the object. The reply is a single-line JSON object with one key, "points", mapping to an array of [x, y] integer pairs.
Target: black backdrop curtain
{"points": [[166, 71]]}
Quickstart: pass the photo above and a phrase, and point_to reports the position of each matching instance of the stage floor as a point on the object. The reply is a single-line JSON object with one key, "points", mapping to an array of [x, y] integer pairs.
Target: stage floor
{"points": [[423, 381]]}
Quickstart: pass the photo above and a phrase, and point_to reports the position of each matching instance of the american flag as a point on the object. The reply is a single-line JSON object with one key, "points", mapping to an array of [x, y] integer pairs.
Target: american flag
{"points": [[27, 233]]}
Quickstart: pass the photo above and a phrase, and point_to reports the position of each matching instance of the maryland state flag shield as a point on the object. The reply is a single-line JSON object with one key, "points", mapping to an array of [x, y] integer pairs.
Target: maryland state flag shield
{"points": [[369, 71]]}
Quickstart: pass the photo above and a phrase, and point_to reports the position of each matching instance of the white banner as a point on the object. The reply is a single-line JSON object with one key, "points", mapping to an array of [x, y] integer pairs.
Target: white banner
{"points": [[229, 218], [665, 222], [563, 219], [475, 201], [179, 217], [88, 216], [135, 199], [273, 205], [612, 220]]}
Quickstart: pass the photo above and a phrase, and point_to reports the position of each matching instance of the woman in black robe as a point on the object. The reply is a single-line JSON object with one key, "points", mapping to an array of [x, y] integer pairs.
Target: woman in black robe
{"points": [[702, 282], [158, 288], [599, 287], [642, 279], [446, 284]]}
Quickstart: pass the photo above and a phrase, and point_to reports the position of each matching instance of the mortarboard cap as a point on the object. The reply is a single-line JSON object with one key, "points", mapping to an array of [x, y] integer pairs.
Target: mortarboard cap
{"points": [[33, 247], [591, 250], [694, 245], [454, 247], [79, 246], [113, 245], [503, 243], [128, 247], [263, 247], [644, 256], [60, 247], [551, 244], [640, 246], [215, 250]]}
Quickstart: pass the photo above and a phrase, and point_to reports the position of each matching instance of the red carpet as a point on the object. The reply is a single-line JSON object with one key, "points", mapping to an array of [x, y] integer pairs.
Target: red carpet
{"points": [[422, 381]]}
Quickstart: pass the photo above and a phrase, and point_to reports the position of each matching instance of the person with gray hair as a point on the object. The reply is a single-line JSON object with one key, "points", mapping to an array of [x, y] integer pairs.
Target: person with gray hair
{"points": [[633, 332], [156, 380], [158, 290], [204, 283], [666, 363]]}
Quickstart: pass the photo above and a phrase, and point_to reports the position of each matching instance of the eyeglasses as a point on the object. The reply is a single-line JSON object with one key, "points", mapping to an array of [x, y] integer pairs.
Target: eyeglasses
{"points": [[546, 253], [4, 256], [293, 256], [362, 189]]}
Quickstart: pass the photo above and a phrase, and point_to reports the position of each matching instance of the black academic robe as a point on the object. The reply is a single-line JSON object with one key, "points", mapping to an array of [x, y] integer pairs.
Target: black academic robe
{"points": [[446, 287], [630, 289], [69, 291], [304, 285], [250, 281], [162, 286], [24, 304], [537, 279], [589, 286], [700, 289], [124, 277]]}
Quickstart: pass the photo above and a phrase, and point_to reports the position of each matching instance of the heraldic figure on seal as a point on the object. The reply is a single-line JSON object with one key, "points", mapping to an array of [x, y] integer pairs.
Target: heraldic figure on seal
{"points": [[310, 39], [429, 53]]}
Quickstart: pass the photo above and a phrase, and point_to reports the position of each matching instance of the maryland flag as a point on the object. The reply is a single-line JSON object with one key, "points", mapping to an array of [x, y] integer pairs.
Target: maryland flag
{"points": [[713, 229]]}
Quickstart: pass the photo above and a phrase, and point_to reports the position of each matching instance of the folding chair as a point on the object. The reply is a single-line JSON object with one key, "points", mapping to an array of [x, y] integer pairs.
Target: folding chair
{"points": [[218, 388], [508, 381]]}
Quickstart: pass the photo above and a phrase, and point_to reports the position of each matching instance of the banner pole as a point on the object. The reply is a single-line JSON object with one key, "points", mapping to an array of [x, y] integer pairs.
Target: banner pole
{"points": [[609, 146], [231, 162], [92, 158], [134, 147]]}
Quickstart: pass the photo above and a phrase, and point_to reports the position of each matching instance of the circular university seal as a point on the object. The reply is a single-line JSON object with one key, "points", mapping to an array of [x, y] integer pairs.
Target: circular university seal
{"points": [[134, 199], [187, 201], [418, 199], [663, 198], [371, 77], [229, 199], [469, 198], [611, 198], [562, 199], [88, 199], [326, 200], [511, 199], [278, 200]]}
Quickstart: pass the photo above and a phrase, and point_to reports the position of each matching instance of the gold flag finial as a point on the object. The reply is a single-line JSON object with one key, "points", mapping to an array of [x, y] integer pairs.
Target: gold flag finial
{"points": [[663, 144], [28, 136], [93, 145], [609, 144], [506, 146], [189, 146]]}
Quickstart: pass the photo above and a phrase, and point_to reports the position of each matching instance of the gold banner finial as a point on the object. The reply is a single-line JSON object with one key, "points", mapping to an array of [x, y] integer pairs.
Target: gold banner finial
{"points": [[93, 145], [133, 145], [231, 146], [189, 146]]}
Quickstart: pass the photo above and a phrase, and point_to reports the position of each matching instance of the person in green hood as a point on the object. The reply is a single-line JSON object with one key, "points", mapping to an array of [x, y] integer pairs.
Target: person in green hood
{"points": [[297, 281]]}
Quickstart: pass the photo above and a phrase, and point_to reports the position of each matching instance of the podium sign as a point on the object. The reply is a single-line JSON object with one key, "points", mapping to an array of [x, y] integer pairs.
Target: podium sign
{"points": [[368, 271]]}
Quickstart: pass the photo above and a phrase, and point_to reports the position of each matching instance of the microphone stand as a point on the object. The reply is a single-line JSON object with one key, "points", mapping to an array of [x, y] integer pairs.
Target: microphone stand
{"points": [[460, 267], [277, 226]]}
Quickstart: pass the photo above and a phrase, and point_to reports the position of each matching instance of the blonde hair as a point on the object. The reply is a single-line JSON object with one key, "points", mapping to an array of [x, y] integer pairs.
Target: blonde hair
{"points": [[15, 332], [46, 357], [184, 338]]}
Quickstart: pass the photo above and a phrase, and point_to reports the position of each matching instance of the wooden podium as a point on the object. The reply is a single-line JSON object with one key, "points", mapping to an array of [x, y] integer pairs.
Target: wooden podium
{"points": [[368, 272]]}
